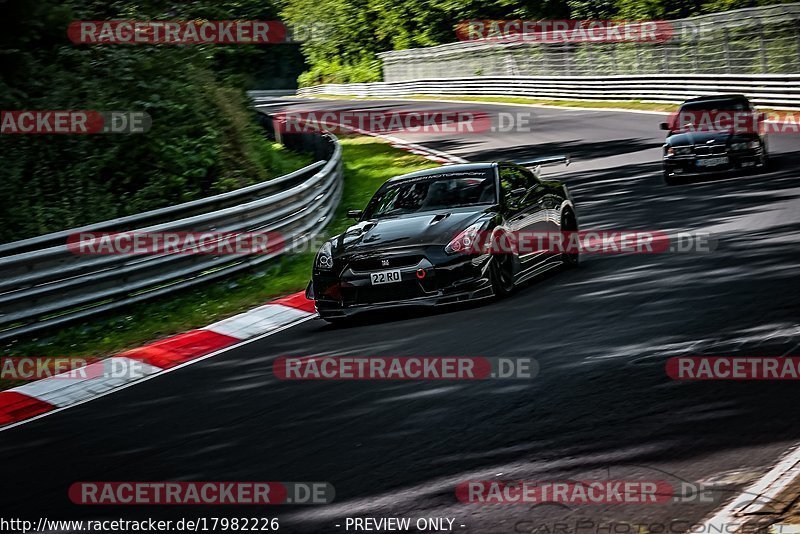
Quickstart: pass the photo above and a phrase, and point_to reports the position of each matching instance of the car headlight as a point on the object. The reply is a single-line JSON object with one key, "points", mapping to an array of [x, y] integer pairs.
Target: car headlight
{"points": [[324, 258], [679, 151], [466, 241], [739, 146]]}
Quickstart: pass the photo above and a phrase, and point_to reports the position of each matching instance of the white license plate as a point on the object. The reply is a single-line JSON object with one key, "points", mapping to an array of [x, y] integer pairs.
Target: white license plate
{"points": [[712, 162], [384, 277]]}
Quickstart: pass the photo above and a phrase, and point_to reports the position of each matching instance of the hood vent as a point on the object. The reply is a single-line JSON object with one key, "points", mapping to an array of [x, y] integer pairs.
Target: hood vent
{"points": [[439, 217]]}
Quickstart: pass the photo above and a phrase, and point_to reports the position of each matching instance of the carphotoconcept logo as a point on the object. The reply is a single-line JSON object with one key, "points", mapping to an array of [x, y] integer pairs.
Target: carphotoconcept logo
{"points": [[645, 526]]}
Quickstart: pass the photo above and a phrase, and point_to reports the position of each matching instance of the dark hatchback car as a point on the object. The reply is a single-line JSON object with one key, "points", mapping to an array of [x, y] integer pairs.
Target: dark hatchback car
{"points": [[409, 246], [713, 134]]}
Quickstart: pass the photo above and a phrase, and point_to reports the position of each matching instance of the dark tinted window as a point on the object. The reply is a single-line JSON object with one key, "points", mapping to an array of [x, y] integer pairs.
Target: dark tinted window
{"points": [[436, 192], [512, 178], [722, 104]]}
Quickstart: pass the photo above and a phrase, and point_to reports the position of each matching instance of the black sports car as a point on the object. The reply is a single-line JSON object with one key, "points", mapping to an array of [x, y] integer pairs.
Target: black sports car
{"points": [[713, 134], [411, 245]]}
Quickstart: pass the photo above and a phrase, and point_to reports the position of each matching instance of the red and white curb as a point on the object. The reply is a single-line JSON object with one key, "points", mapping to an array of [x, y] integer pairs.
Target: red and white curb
{"points": [[42, 396]]}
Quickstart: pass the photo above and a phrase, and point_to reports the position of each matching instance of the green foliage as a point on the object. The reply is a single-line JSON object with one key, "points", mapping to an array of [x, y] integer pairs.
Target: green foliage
{"points": [[366, 69], [357, 30], [202, 141], [368, 163]]}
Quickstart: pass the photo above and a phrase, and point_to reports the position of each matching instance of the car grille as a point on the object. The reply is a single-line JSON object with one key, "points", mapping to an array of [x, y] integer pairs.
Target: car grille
{"points": [[407, 289], [377, 263], [710, 150]]}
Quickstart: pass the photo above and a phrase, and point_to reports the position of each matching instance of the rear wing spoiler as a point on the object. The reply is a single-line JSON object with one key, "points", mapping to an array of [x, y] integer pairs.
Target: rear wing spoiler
{"points": [[537, 163]]}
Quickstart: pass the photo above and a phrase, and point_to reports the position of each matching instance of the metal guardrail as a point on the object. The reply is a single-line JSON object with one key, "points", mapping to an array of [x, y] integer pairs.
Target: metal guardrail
{"points": [[778, 91], [44, 284], [759, 40]]}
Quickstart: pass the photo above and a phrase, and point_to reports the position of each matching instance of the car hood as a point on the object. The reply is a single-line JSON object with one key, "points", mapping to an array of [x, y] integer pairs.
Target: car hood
{"points": [[430, 228], [699, 138]]}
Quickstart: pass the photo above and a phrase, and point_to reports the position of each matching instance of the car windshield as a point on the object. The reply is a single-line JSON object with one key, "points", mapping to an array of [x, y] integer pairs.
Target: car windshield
{"points": [[715, 105], [710, 114], [434, 192]]}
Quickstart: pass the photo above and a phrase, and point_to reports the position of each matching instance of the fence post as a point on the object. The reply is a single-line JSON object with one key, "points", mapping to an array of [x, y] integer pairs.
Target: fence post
{"points": [[798, 50], [727, 47], [615, 67], [588, 54]]}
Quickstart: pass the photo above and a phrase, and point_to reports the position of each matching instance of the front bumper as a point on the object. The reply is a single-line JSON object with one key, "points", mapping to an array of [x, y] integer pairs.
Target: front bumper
{"points": [[695, 165], [347, 290]]}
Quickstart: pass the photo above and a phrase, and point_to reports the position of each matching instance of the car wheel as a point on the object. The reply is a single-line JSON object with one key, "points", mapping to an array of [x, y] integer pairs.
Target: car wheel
{"points": [[569, 224], [336, 321], [669, 180], [501, 274], [764, 158]]}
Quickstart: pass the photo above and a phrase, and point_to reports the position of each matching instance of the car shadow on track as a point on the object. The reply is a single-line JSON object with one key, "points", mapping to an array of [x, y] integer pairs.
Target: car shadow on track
{"points": [[578, 149]]}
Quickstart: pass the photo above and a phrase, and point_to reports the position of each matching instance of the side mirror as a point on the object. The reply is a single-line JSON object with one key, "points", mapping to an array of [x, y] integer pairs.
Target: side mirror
{"points": [[664, 126], [355, 214]]}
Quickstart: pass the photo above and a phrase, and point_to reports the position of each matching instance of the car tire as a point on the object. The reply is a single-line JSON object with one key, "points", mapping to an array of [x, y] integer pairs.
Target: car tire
{"points": [[336, 321], [569, 224], [670, 180], [501, 275], [765, 161]]}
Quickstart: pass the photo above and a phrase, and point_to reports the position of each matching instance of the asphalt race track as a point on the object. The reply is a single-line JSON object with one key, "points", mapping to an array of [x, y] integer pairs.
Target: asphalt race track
{"points": [[602, 406]]}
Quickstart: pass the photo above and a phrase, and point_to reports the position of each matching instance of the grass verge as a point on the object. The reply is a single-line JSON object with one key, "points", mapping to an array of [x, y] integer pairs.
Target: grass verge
{"points": [[634, 105], [368, 162]]}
